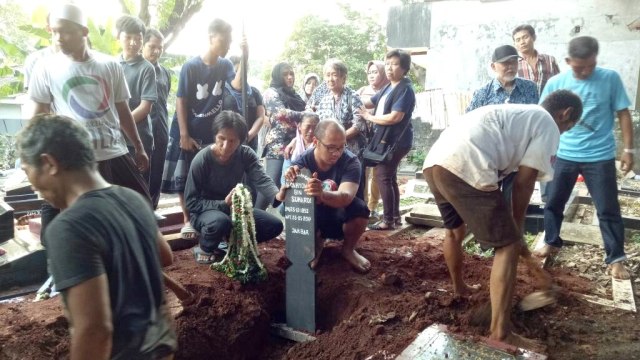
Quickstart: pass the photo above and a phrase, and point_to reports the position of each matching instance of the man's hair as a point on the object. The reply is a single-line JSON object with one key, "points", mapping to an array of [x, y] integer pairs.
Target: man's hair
{"points": [[219, 26], [337, 65], [326, 125], [152, 33], [130, 25], [228, 119], [562, 99], [59, 136], [403, 56], [526, 27], [583, 47]]}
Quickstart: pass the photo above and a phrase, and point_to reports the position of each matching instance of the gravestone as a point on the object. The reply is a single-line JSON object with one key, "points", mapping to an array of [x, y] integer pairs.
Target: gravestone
{"points": [[299, 217]]}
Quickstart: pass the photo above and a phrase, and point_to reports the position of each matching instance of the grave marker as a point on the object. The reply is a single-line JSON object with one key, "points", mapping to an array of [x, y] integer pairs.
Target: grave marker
{"points": [[300, 233]]}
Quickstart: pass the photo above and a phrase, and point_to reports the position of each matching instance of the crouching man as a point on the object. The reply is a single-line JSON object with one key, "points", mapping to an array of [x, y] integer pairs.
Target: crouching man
{"points": [[104, 251], [463, 169], [334, 184]]}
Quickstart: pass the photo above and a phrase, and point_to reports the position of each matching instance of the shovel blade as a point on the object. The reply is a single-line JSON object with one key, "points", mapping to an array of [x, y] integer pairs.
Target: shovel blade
{"points": [[537, 300]]}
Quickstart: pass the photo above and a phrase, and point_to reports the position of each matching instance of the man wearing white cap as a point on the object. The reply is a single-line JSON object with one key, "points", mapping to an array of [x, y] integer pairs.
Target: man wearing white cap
{"points": [[90, 87]]}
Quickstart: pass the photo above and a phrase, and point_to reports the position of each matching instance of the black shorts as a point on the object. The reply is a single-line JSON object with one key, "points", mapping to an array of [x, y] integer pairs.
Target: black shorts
{"points": [[329, 220]]}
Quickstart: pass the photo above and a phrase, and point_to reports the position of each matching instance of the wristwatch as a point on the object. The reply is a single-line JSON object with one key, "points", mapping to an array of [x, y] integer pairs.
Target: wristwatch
{"points": [[630, 151]]}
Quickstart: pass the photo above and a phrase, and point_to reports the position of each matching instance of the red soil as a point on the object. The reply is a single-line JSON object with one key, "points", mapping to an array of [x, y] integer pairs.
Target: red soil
{"points": [[359, 316]]}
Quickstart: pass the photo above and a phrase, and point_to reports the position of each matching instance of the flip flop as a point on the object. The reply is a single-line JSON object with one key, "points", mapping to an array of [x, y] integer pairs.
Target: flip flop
{"points": [[188, 232], [378, 226], [202, 257]]}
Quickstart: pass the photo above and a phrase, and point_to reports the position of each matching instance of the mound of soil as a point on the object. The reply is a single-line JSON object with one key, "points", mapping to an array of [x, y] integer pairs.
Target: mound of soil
{"points": [[371, 316]]}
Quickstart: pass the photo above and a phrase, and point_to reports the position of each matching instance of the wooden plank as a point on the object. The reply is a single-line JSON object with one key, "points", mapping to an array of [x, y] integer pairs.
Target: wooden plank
{"points": [[423, 221], [623, 297]]}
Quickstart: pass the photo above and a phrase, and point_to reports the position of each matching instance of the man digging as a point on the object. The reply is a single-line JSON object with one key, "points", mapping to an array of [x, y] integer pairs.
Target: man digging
{"points": [[463, 169]]}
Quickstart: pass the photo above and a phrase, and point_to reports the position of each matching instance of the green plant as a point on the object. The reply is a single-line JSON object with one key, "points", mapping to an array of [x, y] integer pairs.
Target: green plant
{"points": [[8, 153], [416, 157]]}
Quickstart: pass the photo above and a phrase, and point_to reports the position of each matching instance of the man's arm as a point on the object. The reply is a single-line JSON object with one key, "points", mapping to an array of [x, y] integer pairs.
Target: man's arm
{"points": [[626, 126], [255, 129], [523, 186], [128, 126], [140, 113], [41, 108], [89, 310]]}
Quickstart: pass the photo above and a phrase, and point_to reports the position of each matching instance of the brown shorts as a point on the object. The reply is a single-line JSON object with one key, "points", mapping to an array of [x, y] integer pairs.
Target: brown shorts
{"points": [[485, 212]]}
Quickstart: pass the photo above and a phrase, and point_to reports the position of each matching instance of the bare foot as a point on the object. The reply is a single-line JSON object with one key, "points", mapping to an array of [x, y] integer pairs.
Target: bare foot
{"points": [[524, 343], [618, 271], [467, 290], [357, 261], [547, 250]]}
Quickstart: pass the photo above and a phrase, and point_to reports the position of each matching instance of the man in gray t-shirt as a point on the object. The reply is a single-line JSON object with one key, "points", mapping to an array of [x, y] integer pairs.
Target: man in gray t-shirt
{"points": [[141, 79]]}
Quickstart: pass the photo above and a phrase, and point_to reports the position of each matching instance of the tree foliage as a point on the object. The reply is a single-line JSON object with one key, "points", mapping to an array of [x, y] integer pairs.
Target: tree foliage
{"points": [[168, 16], [355, 41]]}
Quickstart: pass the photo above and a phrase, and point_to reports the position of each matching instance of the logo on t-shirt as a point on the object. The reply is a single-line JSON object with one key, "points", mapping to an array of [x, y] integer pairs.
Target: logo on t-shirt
{"points": [[203, 91], [87, 95]]}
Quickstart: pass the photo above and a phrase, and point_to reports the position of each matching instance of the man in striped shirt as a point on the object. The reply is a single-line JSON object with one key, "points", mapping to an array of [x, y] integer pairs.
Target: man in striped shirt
{"points": [[532, 65]]}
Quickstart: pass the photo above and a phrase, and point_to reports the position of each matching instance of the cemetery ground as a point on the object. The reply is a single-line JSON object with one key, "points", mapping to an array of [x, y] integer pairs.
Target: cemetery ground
{"points": [[370, 316]]}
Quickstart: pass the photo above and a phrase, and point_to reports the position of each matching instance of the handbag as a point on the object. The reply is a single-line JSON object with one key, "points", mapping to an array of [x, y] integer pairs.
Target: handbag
{"points": [[380, 150]]}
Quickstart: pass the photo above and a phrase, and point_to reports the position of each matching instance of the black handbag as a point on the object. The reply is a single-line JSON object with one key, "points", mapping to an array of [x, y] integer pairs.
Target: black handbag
{"points": [[380, 150]]}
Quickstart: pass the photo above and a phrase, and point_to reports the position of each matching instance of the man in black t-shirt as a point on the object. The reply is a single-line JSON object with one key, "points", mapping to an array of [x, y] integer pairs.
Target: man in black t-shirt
{"points": [[104, 249], [334, 184]]}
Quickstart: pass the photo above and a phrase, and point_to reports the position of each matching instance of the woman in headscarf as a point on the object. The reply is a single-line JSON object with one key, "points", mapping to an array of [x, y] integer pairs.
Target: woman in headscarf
{"points": [[393, 109], [311, 81], [284, 109], [377, 80]]}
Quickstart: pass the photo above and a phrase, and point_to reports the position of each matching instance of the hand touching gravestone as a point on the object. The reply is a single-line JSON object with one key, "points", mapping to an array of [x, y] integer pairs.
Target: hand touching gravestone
{"points": [[300, 234]]}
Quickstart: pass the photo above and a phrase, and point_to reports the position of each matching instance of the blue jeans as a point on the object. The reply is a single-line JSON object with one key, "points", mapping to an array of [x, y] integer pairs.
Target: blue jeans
{"points": [[600, 178]]}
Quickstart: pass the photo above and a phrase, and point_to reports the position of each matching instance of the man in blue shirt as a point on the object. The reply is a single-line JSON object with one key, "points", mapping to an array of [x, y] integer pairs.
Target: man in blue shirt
{"points": [[589, 149], [506, 88]]}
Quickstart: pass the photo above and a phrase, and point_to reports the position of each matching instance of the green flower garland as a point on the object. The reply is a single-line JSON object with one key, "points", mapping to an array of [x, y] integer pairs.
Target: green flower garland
{"points": [[242, 261]]}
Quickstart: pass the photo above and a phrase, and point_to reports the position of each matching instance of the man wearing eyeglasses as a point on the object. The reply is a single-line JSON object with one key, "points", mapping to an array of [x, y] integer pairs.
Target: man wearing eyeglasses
{"points": [[334, 183]]}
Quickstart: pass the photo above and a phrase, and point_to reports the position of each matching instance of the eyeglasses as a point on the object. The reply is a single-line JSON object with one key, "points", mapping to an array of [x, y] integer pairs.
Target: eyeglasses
{"points": [[333, 149]]}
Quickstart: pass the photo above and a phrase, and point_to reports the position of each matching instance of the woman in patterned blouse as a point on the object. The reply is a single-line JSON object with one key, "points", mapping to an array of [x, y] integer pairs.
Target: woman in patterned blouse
{"points": [[284, 108]]}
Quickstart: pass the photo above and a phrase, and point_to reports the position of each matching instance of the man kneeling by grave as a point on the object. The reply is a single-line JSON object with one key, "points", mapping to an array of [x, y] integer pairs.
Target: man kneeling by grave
{"points": [[463, 169], [214, 173], [334, 183]]}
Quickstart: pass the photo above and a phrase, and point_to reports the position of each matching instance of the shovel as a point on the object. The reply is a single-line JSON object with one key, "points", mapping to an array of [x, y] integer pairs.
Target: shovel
{"points": [[537, 299]]}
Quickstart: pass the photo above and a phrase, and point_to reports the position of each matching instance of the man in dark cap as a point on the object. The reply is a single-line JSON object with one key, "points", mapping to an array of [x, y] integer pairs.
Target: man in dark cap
{"points": [[506, 88]]}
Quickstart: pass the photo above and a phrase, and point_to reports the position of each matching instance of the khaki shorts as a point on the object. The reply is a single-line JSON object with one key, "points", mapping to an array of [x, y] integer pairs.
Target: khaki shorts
{"points": [[485, 212]]}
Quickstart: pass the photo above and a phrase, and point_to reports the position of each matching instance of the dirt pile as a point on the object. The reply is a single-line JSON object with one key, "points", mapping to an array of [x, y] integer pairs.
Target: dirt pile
{"points": [[372, 316]]}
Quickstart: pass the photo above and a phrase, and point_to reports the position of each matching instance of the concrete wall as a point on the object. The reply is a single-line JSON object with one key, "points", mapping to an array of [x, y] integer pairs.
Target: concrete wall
{"points": [[464, 34]]}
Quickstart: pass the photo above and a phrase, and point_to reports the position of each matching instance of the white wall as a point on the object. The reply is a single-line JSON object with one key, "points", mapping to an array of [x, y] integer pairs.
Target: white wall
{"points": [[464, 34]]}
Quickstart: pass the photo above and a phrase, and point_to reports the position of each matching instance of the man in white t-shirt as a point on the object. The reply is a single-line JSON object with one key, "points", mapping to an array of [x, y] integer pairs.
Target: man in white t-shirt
{"points": [[463, 169], [90, 88]]}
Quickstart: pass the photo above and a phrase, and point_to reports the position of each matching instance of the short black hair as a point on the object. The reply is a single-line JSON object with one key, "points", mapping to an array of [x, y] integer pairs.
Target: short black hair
{"points": [[325, 125], [219, 26], [228, 119], [403, 56], [562, 99], [61, 137], [130, 25], [526, 27], [583, 47], [152, 33]]}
